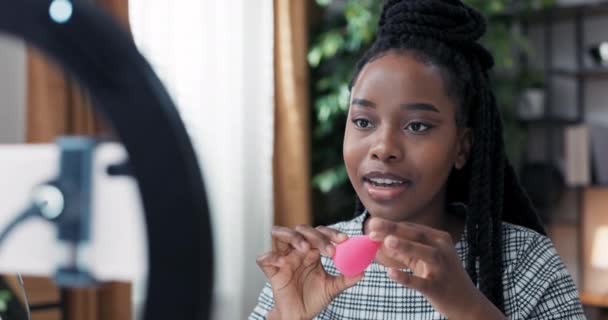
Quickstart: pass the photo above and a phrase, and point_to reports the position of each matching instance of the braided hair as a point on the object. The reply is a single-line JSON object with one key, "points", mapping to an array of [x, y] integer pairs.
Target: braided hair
{"points": [[444, 33]]}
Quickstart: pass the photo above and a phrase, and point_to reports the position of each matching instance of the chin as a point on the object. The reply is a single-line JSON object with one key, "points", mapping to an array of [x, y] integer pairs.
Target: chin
{"points": [[391, 212]]}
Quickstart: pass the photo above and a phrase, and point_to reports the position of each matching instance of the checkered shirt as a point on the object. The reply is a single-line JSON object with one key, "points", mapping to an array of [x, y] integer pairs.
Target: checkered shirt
{"points": [[536, 284]]}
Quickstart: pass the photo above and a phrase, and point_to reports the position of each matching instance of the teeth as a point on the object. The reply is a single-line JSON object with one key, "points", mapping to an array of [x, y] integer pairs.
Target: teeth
{"points": [[385, 181]]}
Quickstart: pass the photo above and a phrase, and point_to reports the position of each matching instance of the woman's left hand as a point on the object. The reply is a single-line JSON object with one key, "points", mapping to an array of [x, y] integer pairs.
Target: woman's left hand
{"points": [[438, 273]]}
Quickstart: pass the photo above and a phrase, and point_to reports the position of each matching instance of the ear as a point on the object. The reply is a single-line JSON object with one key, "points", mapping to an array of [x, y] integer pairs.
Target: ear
{"points": [[465, 142]]}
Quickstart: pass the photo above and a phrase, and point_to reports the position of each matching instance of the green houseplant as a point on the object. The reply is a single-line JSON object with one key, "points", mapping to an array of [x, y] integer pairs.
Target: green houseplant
{"points": [[344, 29]]}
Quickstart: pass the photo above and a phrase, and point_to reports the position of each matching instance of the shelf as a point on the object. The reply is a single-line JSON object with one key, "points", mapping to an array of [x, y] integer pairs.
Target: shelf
{"points": [[559, 12], [588, 73], [595, 300]]}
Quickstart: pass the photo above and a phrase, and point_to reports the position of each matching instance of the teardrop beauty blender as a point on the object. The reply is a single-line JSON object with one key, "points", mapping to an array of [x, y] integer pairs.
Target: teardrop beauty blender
{"points": [[355, 254]]}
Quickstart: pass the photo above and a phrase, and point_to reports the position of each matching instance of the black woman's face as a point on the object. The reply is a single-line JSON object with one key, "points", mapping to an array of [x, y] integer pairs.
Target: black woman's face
{"points": [[401, 139]]}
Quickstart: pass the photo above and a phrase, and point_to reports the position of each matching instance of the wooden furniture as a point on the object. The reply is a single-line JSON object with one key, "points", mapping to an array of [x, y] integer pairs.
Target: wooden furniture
{"points": [[599, 302], [109, 301]]}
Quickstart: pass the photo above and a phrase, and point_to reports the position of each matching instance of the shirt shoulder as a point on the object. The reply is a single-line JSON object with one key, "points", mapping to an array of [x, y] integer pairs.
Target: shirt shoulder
{"points": [[537, 283], [517, 240]]}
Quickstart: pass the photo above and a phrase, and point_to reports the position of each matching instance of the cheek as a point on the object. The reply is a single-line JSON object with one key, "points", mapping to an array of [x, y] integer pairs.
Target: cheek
{"points": [[353, 152], [434, 161]]}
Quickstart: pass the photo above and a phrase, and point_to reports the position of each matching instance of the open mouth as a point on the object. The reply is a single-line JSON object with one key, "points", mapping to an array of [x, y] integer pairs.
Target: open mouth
{"points": [[385, 186], [380, 182]]}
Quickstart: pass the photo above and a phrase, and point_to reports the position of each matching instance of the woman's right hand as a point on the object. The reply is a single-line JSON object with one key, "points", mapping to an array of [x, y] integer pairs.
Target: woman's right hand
{"points": [[300, 286]]}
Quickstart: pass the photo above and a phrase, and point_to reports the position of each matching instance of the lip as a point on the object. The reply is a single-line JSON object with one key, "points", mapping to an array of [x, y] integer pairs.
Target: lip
{"points": [[384, 175], [385, 193]]}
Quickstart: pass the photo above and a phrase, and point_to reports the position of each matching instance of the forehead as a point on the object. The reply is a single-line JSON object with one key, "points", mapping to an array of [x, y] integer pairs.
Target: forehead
{"points": [[401, 76]]}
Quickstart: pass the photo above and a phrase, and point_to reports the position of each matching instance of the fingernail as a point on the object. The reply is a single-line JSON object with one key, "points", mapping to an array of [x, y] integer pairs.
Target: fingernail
{"points": [[373, 235], [342, 237], [391, 242], [329, 250], [303, 246]]}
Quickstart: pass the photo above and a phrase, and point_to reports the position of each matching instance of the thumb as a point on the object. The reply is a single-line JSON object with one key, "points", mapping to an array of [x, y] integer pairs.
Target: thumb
{"points": [[341, 283], [269, 264]]}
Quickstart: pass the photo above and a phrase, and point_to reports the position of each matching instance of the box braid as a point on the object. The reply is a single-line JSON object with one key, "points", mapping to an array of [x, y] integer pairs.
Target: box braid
{"points": [[444, 33]]}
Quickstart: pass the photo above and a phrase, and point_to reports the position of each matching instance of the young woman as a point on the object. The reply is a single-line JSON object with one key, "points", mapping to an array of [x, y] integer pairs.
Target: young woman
{"points": [[424, 151]]}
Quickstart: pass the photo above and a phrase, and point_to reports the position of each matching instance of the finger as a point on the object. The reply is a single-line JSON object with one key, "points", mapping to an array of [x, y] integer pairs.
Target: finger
{"points": [[386, 227], [269, 264], [311, 257], [409, 280], [317, 239], [286, 238], [269, 258], [340, 283], [409, 252], [381, 228], [334, 235]]}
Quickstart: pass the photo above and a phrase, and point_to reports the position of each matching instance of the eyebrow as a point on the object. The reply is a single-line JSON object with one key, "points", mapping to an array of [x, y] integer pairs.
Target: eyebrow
{"points": [[363, 103], [420, 106], [409, 106]]}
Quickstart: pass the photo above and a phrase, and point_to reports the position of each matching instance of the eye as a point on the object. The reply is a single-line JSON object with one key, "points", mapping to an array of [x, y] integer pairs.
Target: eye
{"points": [[418, 127], [362, 123]]}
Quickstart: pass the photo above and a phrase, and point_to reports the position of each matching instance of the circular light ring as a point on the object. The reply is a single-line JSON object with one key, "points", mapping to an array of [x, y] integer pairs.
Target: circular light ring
{"points": [[93, 48]]}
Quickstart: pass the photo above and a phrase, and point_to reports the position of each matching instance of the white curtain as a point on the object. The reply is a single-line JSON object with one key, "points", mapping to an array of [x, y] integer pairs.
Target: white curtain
{"points": [[216, 59]]}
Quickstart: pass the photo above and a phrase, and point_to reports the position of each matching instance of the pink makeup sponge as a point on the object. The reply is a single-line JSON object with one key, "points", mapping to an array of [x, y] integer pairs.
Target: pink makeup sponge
{"points": [[355, 254]]}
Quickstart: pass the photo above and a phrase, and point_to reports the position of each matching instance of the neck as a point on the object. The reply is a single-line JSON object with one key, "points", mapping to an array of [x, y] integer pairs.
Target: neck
{"points": [[435, 216]]}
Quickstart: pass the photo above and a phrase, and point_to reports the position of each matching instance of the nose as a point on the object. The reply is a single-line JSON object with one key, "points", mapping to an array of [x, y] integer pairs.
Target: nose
{"points": [[387, 147]]}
